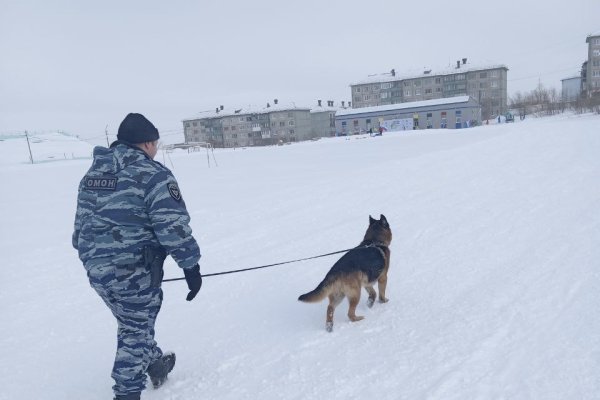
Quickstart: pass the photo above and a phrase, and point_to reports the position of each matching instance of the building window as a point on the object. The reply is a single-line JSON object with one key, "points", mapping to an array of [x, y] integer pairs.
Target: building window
{"points": [[282, 123], [494, 74], [194, 123], [438, 80], [429, 120], [291, 123], [438, 89], [417, 92], [428, 91], [595, 63], [417, 83], [483, 75], [291, 131], [494, 83], [596, 53], [458, 115], [386, 85], [187, 124], [596, 41], [407, 92], [385, 95], [460, 77], [366, 97], [357, 89], [444, 120], [596, 73]]}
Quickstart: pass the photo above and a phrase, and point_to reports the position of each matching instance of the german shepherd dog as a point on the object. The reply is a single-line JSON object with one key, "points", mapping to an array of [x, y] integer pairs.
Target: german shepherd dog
{"points": [[360, 267]]}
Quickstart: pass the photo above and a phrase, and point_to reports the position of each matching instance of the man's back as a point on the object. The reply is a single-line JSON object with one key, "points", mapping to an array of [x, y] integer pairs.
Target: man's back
{"points": [[118, 208]]}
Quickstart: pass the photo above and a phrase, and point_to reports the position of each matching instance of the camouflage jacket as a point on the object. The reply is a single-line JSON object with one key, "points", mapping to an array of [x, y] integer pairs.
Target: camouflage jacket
{"points": [[126, 202]]}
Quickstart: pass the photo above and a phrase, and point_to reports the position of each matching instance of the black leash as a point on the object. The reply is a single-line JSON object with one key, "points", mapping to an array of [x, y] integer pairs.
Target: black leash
{"points": [[266, 266]]}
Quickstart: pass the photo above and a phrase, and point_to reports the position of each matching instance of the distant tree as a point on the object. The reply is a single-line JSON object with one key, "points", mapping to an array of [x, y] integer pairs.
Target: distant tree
{"points": [[517, 102], [540, 101]]}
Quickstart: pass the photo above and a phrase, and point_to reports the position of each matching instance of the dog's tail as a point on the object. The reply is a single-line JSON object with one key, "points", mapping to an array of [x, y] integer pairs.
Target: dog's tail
{"points": [[316, 295]]}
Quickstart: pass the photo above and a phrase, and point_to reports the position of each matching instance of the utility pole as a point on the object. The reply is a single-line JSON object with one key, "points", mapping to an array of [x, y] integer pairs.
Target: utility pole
{"points": [[29, 146], [106, 131]]}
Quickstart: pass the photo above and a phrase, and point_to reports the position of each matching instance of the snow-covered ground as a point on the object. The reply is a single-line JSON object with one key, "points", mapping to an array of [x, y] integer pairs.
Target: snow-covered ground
{"points": [[493, 285]]}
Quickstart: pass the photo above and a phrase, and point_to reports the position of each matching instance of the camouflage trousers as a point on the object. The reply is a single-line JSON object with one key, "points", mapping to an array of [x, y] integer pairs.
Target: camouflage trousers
{"points": [[128, 292]]}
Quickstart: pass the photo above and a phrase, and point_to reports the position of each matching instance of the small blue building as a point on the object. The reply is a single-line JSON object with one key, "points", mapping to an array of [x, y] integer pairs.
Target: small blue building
{"points": [[451, 113]]}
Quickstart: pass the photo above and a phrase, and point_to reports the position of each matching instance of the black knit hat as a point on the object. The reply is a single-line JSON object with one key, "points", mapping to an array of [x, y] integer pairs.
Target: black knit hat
{"points": [[135, 128]]}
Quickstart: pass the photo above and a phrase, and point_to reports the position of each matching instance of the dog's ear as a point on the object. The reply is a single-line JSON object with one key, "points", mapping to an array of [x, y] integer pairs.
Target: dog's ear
{"points": [[383, 221], [371, 220]]}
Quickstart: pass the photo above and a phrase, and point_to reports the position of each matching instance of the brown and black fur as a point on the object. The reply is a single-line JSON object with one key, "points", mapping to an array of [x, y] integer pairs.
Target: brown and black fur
{"points": [[360, 267]]}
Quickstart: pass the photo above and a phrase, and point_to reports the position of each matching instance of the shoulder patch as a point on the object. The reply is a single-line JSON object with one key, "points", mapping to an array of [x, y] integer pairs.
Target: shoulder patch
{"points": [[100, 183], [174, 191]]}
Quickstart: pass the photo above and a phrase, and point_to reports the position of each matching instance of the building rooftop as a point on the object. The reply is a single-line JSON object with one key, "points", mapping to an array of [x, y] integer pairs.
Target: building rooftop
{"points": [[247, 111], [319, 109], [587, 39], [449, 70], [400, 106]]}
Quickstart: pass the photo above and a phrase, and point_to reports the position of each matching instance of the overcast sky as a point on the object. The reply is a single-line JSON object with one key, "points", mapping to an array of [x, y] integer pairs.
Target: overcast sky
{"points": [[79, 66]]}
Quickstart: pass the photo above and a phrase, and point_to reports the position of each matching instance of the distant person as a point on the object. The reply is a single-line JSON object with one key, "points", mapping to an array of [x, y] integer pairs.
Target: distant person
{"points": [[130, 215], [498, 119]]}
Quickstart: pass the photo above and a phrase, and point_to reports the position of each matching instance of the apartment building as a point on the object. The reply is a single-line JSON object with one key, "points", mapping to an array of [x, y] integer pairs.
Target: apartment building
{"points": [[487, 84], [592, 78], [251, 126], [322, 119]]}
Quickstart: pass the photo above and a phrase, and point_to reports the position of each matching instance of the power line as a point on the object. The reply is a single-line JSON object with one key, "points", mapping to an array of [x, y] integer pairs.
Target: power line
{"points": [[543, 74]]}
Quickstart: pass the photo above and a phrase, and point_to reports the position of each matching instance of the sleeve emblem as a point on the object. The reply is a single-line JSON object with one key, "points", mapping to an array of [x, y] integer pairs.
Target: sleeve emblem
{"points": [[174, 191]]}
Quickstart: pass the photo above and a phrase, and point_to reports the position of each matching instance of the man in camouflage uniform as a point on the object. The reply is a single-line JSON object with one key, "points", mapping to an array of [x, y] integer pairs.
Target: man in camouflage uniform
{"points": [[130, 215]]}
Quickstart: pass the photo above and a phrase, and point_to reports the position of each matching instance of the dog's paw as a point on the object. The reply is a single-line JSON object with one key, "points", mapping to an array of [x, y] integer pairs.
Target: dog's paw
{"points": [[384, 300], [329, 326], [370, 302]]}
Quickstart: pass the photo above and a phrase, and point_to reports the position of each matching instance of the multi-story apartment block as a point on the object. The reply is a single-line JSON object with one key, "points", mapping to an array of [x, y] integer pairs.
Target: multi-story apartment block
{"points": [[322, 119], [592, 78], [250, 127], [486, 84]]}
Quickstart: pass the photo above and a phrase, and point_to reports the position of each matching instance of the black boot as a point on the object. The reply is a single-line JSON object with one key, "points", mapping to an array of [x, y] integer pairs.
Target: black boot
{"points": [[158, 370], [129, 396]]}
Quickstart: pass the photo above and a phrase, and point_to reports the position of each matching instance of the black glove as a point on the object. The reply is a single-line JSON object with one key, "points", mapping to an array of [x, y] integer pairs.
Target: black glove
{"points": [[194, 281]]}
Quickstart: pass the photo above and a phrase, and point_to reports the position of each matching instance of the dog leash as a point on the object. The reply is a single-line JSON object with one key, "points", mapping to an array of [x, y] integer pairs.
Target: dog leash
{"points": [[272, 265]]}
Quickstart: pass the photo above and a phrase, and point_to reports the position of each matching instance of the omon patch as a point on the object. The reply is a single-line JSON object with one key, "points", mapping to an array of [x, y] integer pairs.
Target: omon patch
{"points": [[100, 183]]}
